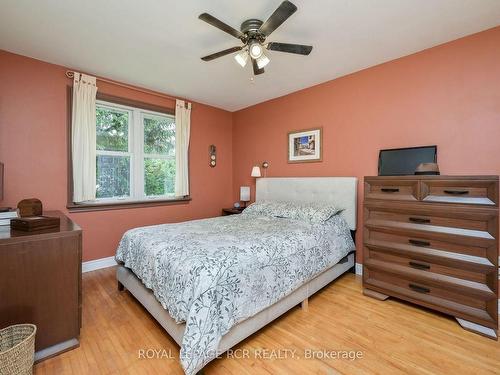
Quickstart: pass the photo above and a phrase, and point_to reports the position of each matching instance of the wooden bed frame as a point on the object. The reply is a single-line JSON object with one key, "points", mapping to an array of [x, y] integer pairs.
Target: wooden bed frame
{"points": [[340, 191]]}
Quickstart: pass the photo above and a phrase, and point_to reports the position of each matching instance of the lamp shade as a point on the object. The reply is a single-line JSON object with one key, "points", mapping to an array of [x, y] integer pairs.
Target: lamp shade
{"points": [[256, 171], [242, 58], [262, 61], [245, 193], [255, 49]]}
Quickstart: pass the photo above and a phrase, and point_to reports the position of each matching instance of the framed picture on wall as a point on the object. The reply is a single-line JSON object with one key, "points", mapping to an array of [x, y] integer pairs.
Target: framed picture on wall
{"points": [[305, 145]]}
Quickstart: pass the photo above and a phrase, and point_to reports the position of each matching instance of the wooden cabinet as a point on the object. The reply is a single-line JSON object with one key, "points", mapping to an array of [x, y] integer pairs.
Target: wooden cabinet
{"points": [[433, 241], [40, 283]]}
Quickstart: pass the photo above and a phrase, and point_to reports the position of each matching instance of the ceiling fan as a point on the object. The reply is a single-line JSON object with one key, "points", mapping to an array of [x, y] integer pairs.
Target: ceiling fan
{"points": [[253, 34]]}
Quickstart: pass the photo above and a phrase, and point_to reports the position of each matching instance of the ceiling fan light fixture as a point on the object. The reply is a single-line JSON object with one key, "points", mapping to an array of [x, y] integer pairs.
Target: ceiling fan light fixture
{"points": [[255, 49], [252, 35], [262, 61], [242, 58]]}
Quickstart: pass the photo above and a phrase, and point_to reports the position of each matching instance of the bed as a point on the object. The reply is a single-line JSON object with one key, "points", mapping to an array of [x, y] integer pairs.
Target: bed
{"points": [[211, 283]]}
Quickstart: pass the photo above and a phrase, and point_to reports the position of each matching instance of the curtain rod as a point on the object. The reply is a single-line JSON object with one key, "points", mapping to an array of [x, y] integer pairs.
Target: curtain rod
{"points": [[71, 74]]}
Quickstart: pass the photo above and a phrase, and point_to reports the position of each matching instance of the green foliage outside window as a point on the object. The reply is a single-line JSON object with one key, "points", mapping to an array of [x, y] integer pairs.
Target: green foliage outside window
{"points": [[159, 135], [112, 176], [159, 138], [113, 172], [159, 177], [112, 130]]}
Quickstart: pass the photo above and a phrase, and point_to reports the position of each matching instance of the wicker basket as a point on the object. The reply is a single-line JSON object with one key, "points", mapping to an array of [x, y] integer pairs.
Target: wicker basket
{"points": [[17, 349]]}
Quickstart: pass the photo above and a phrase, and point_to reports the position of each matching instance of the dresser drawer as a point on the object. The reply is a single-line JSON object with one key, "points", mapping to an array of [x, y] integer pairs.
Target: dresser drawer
{"points": [[459, 245], [480, 223], [469, 289], [433, 266], [480, 192], [400, 190], [479, 309]]}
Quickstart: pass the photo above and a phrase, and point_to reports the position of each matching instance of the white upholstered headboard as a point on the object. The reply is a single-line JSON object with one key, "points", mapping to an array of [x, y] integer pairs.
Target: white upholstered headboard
{"points": [[340, 191]]}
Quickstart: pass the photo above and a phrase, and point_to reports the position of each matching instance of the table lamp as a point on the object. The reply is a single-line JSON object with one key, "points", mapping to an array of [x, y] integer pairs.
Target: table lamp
{"points": [[245, 195], [255, 171]]}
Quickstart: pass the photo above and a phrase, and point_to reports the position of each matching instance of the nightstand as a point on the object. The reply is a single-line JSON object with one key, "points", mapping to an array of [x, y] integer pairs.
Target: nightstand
{"points": [[231, 211]]}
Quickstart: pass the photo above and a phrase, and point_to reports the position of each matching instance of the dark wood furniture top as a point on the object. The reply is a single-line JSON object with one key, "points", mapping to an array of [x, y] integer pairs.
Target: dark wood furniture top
{"points": [[231, 211], [67, 227], [40, 283], [433, 241]]}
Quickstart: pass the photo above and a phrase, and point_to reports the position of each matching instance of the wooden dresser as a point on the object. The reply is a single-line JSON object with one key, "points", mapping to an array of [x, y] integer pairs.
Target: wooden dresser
{"points": [[433, 241], [40, 283]]}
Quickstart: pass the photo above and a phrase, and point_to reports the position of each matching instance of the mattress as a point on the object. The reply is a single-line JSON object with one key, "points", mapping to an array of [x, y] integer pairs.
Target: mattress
{"points": [[214, 273]]}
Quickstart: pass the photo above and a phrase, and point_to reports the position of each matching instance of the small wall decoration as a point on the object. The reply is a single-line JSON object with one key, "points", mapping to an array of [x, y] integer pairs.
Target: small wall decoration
{"points": [[212, 154], [305, 145]]}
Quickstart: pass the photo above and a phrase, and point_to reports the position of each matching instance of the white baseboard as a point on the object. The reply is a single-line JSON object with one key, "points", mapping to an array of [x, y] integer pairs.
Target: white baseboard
{"points": [[97, 264], [359, 269]]}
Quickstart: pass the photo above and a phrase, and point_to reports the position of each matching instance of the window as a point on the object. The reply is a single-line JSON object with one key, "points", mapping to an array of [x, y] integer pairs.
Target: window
{"points": [[135, 154]]}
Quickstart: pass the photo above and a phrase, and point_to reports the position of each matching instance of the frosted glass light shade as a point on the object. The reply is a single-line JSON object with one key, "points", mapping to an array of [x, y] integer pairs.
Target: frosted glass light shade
{"points": [[245, 193], [242, 58], [262, 61], [256, 171], [255, 49]]}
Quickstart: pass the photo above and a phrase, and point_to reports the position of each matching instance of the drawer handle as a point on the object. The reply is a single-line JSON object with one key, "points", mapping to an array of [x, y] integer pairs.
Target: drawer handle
{"points": [[419, 266], [389, 190], [420, 220], [419, 243], [457, 192], [418, 288]]}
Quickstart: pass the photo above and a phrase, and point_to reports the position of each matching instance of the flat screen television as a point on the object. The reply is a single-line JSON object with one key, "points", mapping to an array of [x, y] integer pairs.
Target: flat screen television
{"points": [[404, 161]]}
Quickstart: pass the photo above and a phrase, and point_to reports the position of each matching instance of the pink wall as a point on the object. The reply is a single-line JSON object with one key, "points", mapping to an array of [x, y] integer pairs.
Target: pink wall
{"points": [[33, 147], [448, 95]]}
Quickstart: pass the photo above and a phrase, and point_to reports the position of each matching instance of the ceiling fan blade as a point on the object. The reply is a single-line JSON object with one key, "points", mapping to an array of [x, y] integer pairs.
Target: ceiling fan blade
{"points": [[216, 55], [220, 25], [299, 49], [256, 70], [280, 15]]}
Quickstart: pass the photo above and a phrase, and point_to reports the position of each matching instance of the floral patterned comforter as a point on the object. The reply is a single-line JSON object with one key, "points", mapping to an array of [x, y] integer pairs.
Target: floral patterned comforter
{"points": [[213, 273]]}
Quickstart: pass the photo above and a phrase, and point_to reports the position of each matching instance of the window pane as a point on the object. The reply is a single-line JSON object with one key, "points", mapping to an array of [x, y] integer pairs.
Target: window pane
{"points": [[112, 129], [113, 176], [159, 135], [159, 177]]}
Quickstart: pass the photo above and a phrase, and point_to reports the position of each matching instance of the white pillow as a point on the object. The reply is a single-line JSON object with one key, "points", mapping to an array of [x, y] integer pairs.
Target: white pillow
{"points": [[315, 212]]}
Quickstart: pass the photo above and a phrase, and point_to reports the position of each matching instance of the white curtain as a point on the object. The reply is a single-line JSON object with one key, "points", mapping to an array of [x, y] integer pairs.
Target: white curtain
{"points": [[83, 129], [182, 129]]}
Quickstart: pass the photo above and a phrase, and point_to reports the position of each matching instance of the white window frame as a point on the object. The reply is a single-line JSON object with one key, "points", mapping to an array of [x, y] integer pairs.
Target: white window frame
{"points": [[135, 153]]}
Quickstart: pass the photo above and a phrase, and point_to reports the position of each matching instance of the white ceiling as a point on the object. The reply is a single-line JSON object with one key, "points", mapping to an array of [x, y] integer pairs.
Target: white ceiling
{"points": [[157, 44]]}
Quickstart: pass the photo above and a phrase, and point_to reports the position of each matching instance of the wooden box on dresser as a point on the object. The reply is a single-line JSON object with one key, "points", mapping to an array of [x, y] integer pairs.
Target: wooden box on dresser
{"points": [[433, 241], [40, 283]]}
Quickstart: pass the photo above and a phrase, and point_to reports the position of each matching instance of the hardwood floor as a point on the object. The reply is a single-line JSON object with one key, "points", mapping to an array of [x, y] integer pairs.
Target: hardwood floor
{"points": [[394, 338]]}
